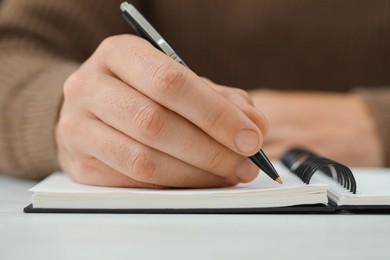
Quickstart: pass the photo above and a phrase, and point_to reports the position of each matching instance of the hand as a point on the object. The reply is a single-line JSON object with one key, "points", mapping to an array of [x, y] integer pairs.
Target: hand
{"points": [[133, 117], [338, 126]]}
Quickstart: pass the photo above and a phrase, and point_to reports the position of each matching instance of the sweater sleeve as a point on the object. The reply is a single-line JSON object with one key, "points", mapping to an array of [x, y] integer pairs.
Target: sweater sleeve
{"points": [[41, 44], [30, 100], [378, 100]]}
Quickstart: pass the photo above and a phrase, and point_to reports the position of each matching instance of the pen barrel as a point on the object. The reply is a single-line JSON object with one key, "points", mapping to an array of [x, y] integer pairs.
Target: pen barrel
{"points": [[261, 160]]}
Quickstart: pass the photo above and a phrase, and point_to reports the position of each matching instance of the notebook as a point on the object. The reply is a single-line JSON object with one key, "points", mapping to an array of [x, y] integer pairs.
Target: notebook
{"points": [[310, 184]]}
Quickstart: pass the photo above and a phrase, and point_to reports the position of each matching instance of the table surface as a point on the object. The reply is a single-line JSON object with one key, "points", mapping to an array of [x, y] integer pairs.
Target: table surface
{"points": [[143, 236]]}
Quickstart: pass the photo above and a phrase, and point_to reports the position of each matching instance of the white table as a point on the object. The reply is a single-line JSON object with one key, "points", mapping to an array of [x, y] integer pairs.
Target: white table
{"points": [[110, 236]]}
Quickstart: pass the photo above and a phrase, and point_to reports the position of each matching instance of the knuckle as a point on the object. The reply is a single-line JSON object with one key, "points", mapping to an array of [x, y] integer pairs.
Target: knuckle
{"points": [[65, 126], [215, 118], [81, 171], [142, 168], [150, 120], [213, 160], [74, 85], [81, 168], [168, 80], [78, 169], [118, 47], [110, 43], [243, 93], [110, 145]]}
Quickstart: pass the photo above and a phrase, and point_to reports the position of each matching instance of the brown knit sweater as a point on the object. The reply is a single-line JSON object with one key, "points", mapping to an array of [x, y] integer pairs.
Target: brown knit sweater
{"points": [[331, 45]]}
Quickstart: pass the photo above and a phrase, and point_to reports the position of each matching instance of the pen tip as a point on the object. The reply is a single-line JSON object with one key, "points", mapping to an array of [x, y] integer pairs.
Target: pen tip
{"points": [[279, 180]]}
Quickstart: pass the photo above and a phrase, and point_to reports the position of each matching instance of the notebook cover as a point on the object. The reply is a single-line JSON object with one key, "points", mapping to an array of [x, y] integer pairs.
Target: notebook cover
{"points": [[364, 209], [300, 209], [317, 208]]}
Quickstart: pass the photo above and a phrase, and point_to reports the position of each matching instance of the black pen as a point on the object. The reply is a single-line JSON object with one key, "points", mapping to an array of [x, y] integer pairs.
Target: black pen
{"points": [[146, 30]]}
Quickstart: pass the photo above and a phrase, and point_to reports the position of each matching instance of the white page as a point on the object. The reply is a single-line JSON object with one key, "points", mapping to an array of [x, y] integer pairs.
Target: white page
{"points": [[59, 183], [57, 191], [372, 181], [373, 187]]}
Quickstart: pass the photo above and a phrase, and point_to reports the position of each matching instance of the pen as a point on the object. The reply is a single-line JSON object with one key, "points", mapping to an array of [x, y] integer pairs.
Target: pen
{"points": [[146, 30]]}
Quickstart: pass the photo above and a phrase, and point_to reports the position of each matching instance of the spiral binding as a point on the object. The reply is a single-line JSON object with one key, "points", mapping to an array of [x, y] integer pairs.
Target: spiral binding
{"points": [[304, 164]]}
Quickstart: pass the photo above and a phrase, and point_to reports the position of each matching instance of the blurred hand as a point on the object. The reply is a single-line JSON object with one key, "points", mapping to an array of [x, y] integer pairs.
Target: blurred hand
{"points": [[133, 117], [338, 126]]}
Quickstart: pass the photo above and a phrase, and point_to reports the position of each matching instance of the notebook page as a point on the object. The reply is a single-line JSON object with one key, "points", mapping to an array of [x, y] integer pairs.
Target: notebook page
{"points": [[57, 191], [372, 181], [59, 183], [373, 187]]}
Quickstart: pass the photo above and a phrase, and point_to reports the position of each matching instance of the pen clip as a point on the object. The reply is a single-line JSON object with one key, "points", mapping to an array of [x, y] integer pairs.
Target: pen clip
{"points": [[139, 23]]}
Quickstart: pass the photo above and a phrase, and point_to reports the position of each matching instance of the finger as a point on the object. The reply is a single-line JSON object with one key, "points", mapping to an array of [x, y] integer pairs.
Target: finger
{"points": [[144, 120], [87, 170], [274, 151], [93, 172], [229, 92], [139, 162], [172, 85], [243, 101]]}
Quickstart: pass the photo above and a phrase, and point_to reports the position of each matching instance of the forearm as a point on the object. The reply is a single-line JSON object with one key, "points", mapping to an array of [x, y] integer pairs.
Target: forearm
{"points": [[340, 126], [378, 100]]}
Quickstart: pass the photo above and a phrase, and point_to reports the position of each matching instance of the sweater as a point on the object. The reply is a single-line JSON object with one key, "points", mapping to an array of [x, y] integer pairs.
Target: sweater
{"points": [[317, 45]]}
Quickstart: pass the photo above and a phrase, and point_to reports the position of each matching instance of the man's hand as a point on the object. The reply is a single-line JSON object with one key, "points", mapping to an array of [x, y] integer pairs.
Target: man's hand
{"points": [[134, 117], [338, 126]]}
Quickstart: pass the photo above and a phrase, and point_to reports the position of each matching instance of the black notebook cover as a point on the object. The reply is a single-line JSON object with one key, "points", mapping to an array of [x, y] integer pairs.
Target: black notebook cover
{"points": [[317, 208], [299, 209]]}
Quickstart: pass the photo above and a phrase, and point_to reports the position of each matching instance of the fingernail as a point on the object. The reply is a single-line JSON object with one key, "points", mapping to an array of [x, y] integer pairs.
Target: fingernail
{"points": [[247, 141], [247, 171]]}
